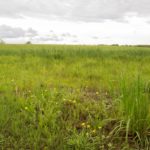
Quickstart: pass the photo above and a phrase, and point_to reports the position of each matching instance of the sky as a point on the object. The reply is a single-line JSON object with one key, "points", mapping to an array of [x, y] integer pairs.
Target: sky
{"points": [[75, 21]]}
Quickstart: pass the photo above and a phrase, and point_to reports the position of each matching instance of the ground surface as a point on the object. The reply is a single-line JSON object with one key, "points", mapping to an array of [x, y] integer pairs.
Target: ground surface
{"points": [[74, 97]]}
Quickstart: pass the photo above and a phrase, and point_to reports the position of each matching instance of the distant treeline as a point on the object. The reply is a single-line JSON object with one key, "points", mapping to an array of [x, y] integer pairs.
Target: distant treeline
{"points": [[29, 42], [143, 45], [125, 45]]}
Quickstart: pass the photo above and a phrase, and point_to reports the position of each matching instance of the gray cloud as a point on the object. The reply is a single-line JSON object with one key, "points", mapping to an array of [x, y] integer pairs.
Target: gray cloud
{"points": [[100, 37], [68, 35], [95, 37], [56, 37], [11, 32], [81, 10], [17, 32], [53, 38], [31, 32]]}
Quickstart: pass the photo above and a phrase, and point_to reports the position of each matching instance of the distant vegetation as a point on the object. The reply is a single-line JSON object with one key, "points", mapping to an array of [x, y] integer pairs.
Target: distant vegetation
{"points": [[28, 42], [74, 97]]}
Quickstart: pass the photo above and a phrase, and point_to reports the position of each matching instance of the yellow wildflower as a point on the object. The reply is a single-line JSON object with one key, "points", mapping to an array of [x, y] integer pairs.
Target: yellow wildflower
{"points": [[12, 80], [97, 93], [83, 124], [109, 145], [94, 131], [87, 134], [26, 108], [74, 101]]}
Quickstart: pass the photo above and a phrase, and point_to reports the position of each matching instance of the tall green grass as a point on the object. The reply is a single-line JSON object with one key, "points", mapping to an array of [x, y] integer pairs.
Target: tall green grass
{"points": [[135, 108]]}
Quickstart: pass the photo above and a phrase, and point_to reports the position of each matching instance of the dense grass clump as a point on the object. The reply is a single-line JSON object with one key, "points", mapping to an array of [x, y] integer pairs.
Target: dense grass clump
{"points": [[74, 97]]}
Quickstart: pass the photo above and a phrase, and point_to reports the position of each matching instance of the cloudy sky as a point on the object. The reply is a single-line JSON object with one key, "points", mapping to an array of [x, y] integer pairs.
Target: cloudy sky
{"points": [[75, 21]]}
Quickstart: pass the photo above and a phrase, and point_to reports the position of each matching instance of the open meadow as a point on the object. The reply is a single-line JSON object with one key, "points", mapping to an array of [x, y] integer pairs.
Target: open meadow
{"points": [[57, 97]]}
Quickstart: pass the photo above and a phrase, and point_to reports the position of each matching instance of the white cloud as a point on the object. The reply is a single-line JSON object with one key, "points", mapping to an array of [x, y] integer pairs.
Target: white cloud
{"points": [[75, 21], [15, 32], [56, 37], [74, 10]]}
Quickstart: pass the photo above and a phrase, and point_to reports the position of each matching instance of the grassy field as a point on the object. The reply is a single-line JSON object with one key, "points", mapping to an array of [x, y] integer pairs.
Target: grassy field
{"points": [[74, 97]]}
